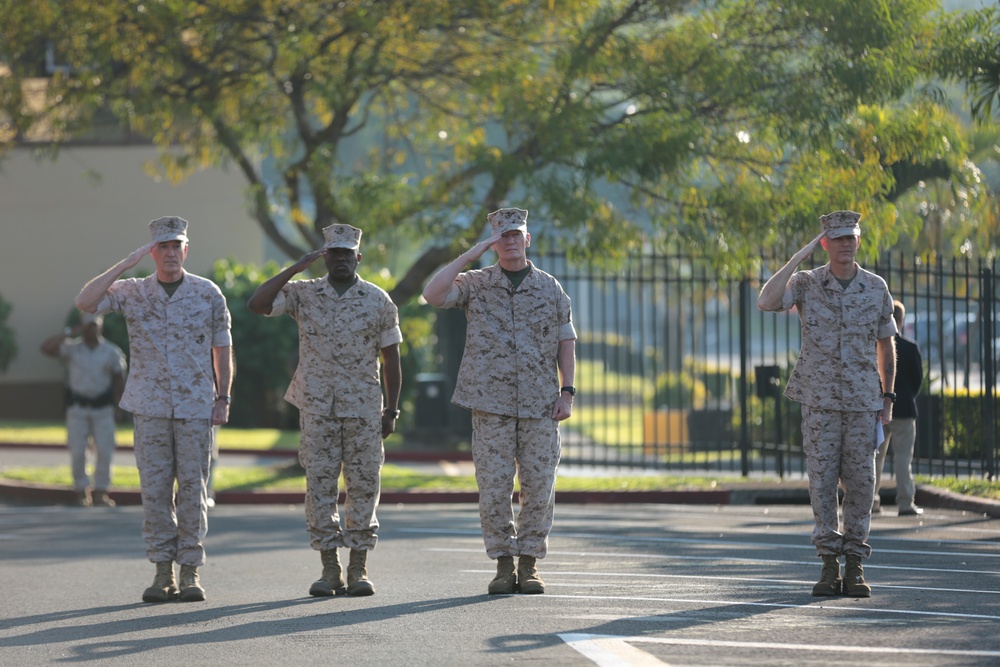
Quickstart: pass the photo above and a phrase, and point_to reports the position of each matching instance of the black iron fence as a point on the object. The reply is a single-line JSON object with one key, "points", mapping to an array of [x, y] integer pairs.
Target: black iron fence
{"points": [[678, 370]]}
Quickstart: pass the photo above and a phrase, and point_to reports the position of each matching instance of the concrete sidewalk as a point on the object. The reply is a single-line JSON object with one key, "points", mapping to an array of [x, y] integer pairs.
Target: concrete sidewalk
{"points": [[735, 491]]}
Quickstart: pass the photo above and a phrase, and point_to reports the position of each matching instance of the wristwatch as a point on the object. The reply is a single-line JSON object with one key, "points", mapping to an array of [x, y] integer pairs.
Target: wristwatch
{"points": [[570, 389], [391, 414], [227, 399], [891, 395]]}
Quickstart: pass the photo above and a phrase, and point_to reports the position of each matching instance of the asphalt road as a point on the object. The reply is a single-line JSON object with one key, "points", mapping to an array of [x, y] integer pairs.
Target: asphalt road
{"points": [[626, 585]]}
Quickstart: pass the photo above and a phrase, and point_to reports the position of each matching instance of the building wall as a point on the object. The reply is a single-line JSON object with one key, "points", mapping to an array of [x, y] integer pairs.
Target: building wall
{"points": [[63, 222]]}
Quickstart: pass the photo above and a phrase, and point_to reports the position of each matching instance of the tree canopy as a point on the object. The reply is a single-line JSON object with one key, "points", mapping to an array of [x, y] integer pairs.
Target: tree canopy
{"points": [[726, 125]]}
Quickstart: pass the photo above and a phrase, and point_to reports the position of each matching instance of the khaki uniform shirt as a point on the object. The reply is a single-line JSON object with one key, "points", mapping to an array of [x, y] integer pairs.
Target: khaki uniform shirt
{"points": [[91, 371], [170, 341], [837, 367], [340, 338], [512, 341]]}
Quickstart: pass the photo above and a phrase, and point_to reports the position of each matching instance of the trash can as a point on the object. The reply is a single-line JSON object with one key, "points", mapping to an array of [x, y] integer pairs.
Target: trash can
{"points": [[431, 404]]}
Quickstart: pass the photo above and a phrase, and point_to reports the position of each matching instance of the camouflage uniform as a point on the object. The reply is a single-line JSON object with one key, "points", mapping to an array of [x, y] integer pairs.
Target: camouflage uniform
{"points": [[509, 378], [836, 380], [171, 390], [337, 390], [90, 377]]}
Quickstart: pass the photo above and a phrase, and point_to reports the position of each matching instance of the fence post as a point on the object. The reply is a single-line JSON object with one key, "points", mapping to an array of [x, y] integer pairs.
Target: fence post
{"points": [[744, 365], [986, 311]]}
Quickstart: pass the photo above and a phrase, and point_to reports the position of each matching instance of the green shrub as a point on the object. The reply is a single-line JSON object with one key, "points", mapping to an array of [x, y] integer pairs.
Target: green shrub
{"points": [[8, 342], [678, 390], [718, 380], [964, 424], [265, 350]]}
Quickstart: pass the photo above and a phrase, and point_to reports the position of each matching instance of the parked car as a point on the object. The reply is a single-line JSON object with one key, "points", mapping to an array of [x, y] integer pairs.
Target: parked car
{"points": [[957, 331]]}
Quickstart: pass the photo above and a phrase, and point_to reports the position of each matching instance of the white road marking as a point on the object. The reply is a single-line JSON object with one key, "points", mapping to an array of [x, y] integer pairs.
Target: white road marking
{"points": [[616, 651], [606, 651], [780, 605]]}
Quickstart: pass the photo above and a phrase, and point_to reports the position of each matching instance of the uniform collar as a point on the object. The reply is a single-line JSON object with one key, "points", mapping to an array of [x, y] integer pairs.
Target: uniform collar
{"points": [[498, 279], [830, 281], [324, 287]]}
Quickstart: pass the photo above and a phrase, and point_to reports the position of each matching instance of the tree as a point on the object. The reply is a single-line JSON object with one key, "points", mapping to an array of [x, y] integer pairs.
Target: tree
{"points": [[725, 125], [967, 50]]}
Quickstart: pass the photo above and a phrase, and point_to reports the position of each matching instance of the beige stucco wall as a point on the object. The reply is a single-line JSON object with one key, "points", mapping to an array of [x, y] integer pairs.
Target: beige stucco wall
{"points": [[63, 222]]}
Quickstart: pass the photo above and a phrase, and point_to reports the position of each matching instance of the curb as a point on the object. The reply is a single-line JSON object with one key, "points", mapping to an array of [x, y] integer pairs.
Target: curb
{"points": [[739, 494], [932, 496], [27, 493], [39, 494]]}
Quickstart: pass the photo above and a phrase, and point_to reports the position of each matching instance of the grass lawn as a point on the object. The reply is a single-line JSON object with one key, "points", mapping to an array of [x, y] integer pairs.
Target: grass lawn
{"points": [[54, 433], [394, 478], [289, 477]]}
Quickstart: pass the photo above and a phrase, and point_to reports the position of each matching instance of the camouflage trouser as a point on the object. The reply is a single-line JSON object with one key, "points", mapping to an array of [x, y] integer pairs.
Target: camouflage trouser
{"points": [[900, 434], [328, 445], [82, 424], [174, 526], [840, 448], [501, 447]]}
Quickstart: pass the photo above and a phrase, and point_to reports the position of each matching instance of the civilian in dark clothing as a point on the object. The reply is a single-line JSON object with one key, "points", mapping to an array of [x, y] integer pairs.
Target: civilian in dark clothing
{"points": [[901, 432]]}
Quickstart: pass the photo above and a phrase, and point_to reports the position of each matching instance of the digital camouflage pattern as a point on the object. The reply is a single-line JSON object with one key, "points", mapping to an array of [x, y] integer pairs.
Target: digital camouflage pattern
{"points": [[841, 223], [509, 378], [512, 341], [327, 446], [340, 338], [169, 228], [171, 341], [170, 391], [837, 368], [836, 380], [342, 236], [533, 457], [337, 388], [840, 448], [507, 220], [166, 449]]}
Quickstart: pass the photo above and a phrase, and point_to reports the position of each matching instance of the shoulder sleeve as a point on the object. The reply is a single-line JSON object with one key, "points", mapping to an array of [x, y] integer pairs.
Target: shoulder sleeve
{"points": [[566, 329], [221, 320], [886, 324], [286, 301], [458, 295], [389, 331], [794, 290], [115, 298]]}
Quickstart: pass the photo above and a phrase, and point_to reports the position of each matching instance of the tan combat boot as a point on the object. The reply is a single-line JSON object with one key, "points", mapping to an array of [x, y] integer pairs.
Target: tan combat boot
{"points": [[527, 576], [331, 582], [829, 581], [164, 586], [357, 574], [854, 579], [191, 590], [506, 581]]}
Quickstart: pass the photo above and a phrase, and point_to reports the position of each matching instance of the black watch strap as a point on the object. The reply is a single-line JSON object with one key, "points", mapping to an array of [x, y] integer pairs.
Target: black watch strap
{"points": [[392, 414], [569, 388], [891, 395]]}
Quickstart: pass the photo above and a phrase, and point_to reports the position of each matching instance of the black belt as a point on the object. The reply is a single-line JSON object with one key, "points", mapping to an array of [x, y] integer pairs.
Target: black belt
{"points": [[105, 399]]}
